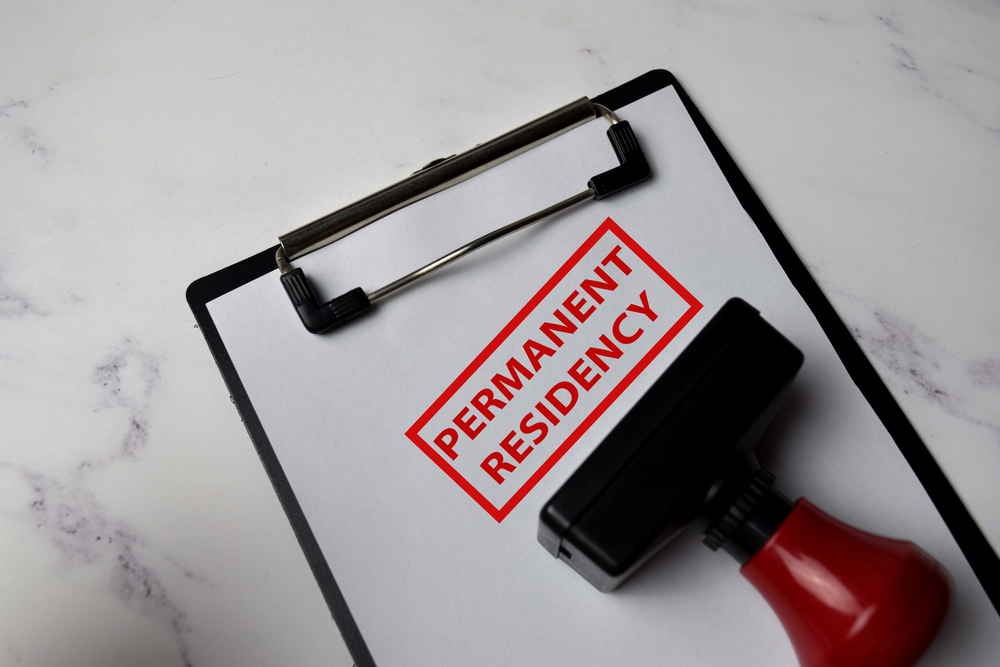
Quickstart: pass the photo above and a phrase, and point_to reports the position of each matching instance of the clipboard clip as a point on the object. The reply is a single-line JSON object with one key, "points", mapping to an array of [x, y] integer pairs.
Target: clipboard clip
{"points": [[320, 317]]}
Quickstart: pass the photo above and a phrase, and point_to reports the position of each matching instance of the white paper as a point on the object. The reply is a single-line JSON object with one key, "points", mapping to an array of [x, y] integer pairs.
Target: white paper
{"points": [[429, 575]]}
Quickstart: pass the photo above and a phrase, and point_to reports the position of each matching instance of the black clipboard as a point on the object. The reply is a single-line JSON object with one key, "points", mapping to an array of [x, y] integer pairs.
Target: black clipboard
{"points": [[974, 546]]}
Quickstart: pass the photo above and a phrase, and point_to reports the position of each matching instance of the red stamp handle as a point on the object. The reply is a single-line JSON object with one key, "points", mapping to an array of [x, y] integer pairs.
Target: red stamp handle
{"points": [[847, 597]]}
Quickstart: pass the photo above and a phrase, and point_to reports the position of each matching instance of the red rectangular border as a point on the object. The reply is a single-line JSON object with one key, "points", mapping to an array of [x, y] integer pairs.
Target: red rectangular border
{"points": [[608, 225]]}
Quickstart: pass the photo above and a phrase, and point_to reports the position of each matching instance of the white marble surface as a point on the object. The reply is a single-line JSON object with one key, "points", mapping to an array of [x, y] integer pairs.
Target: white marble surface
{"points": [[143, 145]]}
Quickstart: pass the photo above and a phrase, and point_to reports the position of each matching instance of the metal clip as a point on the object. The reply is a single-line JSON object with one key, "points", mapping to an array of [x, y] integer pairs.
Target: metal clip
{"points": [[321, 317]]}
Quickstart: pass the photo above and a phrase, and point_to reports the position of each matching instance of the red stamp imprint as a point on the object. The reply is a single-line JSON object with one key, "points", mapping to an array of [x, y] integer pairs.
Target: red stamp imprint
{"points": [[554, 369]]}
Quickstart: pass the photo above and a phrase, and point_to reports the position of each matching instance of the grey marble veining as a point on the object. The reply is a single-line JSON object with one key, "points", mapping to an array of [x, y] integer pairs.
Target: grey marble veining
{"points": [[61, 511], [14, 303], [128, 380], [80, 530], [917, 364], [936, 386], [942, 70], [16, 114]]}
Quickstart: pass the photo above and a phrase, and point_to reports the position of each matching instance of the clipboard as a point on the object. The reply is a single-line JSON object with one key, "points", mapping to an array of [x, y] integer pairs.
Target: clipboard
{"points": [[976, 574]]}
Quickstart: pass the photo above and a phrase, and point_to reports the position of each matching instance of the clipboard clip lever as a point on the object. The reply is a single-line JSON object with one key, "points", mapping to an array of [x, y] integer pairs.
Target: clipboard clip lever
{"points": [[320, 317]]}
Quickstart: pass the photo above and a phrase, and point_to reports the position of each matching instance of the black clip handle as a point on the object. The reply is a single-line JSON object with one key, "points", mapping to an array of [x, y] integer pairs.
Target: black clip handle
{"points": [[633, 168], [320, 318]]}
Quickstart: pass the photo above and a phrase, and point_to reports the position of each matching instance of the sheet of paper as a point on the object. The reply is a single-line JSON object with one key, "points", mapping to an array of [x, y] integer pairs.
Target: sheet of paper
{"points": [[431, 574]]}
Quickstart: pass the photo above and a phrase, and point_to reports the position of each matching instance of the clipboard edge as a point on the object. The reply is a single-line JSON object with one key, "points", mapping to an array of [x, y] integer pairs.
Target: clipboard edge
{"points": [[198, 294]]}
